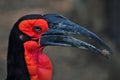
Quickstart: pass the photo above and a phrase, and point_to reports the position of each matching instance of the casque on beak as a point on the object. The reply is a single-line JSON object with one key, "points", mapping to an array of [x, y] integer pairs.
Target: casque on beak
{"points": [[60, 29]]}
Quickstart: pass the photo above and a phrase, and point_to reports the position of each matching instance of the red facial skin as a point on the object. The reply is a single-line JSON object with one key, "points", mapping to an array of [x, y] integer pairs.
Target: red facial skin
{"points": [[38, 64]]}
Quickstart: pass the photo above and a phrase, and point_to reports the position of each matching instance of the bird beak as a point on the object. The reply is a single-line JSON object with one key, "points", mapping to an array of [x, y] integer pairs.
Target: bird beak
{"points": [[60, 29]]}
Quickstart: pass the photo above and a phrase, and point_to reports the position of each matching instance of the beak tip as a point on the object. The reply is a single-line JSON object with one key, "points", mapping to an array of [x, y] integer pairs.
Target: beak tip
{"points": [[106, 53]]}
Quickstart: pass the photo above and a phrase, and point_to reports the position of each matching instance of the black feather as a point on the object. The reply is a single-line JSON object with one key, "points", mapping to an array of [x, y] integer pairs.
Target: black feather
{"points": [[16, 65]]}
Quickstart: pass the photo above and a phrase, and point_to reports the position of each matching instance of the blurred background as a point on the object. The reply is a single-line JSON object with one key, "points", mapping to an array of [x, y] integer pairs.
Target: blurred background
{"points": [[100, 16]]}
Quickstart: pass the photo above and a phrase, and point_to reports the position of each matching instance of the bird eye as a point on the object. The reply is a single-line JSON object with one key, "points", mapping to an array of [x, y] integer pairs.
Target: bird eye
{"points": [[37, 29]]}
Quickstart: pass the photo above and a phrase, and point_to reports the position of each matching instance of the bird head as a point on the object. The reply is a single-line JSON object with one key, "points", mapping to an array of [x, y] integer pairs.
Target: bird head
{"points": [[56, 30]]}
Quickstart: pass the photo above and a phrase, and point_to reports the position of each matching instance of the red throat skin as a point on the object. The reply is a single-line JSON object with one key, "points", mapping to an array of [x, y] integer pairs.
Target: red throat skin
{"points": [[38, 64]]}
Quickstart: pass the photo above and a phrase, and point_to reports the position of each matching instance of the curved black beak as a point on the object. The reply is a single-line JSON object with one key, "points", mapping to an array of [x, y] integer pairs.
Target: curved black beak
{"points": [[60, 29]]}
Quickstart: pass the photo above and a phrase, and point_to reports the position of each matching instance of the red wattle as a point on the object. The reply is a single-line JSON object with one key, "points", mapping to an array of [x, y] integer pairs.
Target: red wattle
{"points": [[38, 64]]}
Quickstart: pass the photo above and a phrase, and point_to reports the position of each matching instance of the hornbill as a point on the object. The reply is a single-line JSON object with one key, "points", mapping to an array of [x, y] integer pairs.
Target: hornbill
{"points": [[32, 33]]}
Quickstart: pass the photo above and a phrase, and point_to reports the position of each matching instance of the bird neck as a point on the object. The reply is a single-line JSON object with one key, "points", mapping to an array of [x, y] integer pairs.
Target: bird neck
{"points": [[38, 64], [16, 65]]}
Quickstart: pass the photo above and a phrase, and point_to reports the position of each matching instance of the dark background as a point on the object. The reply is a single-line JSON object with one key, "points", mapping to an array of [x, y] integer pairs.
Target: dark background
{"points": [[100, 16]]}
